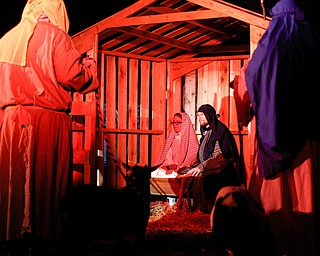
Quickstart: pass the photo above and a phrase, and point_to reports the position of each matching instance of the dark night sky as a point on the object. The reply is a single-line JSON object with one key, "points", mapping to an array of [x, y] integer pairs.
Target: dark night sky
{"points": [[82, 13]]}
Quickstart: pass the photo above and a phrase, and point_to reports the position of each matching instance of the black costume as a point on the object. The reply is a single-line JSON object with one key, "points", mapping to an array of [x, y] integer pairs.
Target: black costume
{"points": [[217, 156]]}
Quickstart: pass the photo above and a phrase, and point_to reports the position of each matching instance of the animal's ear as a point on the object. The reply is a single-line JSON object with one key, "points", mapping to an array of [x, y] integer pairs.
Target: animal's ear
{"points": [[129, 169], [126, 166], [153, 168]]}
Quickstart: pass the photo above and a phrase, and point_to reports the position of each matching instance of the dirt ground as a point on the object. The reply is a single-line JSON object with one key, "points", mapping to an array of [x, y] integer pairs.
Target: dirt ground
{"points": [[169, 232]]}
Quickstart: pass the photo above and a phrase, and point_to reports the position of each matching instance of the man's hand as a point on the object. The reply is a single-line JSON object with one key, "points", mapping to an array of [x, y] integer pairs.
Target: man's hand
{"points": [[90, 62], [195, 172]]}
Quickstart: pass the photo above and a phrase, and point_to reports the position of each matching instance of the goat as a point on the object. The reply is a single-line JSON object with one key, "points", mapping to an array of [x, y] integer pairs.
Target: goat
{"points": [[97, 213], [239, 225]]}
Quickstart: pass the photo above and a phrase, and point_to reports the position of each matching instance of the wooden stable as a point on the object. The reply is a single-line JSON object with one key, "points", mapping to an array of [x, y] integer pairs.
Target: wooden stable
{"points": [[157, 58]]}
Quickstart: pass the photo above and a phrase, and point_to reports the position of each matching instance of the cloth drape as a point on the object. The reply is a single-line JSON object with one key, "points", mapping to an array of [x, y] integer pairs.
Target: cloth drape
{"points": [[188, 148]]}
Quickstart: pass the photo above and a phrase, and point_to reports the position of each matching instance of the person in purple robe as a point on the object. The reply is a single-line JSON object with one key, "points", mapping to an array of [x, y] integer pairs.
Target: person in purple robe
{"points": [[282, 82]]}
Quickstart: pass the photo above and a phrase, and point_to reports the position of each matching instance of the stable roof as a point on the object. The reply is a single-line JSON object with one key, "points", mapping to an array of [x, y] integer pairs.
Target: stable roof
{"points": [[171, 29]]}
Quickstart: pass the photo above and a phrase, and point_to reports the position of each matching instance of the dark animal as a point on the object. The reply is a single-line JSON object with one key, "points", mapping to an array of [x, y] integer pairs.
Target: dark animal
{"points": [[97, 213], [239, 225]]}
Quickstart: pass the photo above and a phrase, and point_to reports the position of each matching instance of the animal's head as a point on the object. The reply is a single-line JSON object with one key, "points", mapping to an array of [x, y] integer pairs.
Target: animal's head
{"points": [[138, 176], [239, 222]]}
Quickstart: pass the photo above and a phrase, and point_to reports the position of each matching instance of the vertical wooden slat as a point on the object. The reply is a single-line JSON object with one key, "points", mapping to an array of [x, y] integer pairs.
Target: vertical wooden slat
{"points": [[100, 122], [240, 136], [176, 97], [212, 84], [122, 113], [77, 143], [158, 104], [223, 97], [173, 100], [144, 110], [235, 66], [189, 96], [133, 110], [111, 121], [89, 138], [214, 100], [202, 90]]}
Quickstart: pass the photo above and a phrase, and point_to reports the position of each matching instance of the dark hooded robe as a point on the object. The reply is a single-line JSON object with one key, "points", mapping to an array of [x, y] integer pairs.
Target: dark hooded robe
{"points": [[217, 155]]}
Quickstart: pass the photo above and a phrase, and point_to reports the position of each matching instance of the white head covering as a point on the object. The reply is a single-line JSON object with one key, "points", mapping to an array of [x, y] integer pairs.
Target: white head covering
{"points": [[14, 44]]}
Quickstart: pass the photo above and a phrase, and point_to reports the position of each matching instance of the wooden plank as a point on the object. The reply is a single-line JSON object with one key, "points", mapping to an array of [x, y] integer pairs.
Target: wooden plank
{"points": [[255, 35], [132, 56], [133, 131], [216, 58], [77, 137], [158, 38], [235, 66], [144, 111], [122, 114], [158, 105], [81, 156], [234, 12], [173, 102], [80, 108], [165, 186], [202, 90], [211, 83], [168, 17], [85, 39], [189, 96], [110, 70], [185, 68], [89, 138], [223, 97], [133, 110], [202, 24], [101, 122]]}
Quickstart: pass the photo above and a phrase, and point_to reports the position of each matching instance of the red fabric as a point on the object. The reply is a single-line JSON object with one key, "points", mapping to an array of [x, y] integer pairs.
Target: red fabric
{"points": [[188, 147], [35, 170], [53, 70], [242, 99], [35, 133]]}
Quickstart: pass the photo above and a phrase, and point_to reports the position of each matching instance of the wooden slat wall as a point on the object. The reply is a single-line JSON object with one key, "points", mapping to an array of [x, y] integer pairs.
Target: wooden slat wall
{"points": [[83, 116], [135, 101], [210, 84], [110, 177], [159, 105], [122, 113], [133, 110], [144, 111], [140, 97]]}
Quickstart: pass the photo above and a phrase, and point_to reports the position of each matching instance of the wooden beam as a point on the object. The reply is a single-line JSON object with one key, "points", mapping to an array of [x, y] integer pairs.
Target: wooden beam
{"points": [[236, 57], [132, 56], [165, 18], [202, 24], [237, 48], [85, 39], [132, 131], [234, 12], [185, 68], [158, 38]]}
